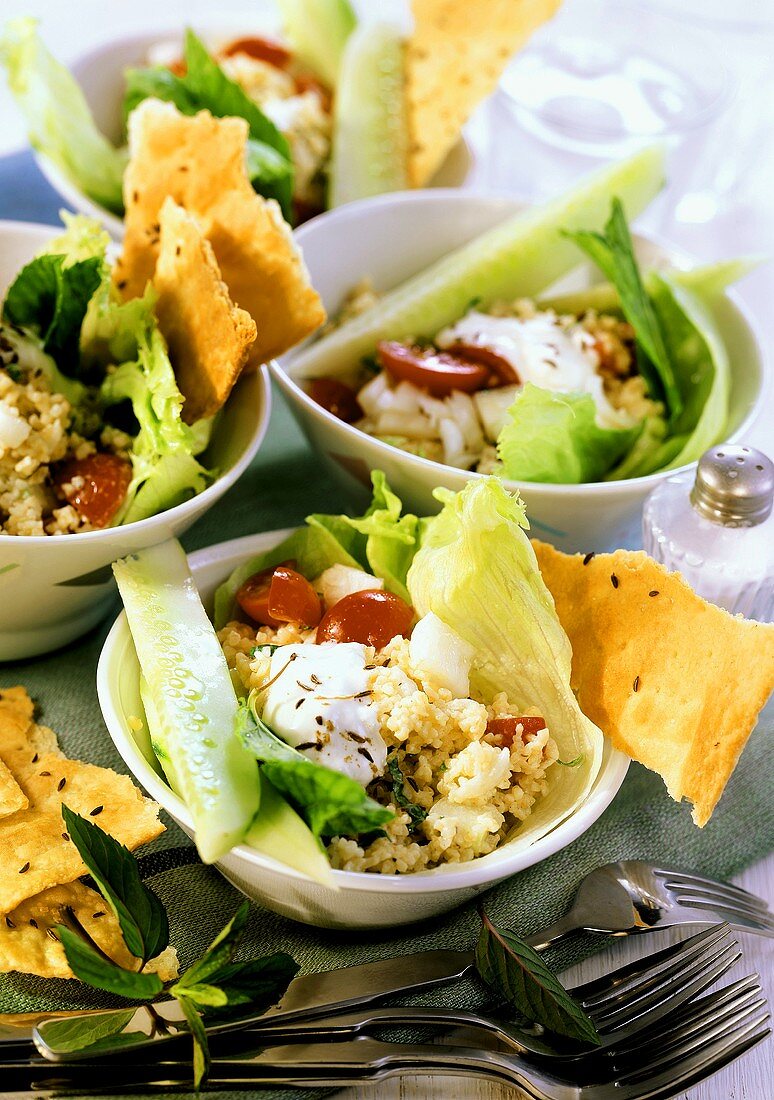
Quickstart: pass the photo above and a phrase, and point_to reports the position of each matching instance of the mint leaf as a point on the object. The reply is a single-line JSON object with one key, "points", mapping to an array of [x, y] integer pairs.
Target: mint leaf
{"points": [[201, 1051], [416, 813], [50, 297], [203, 996], [332, 804], [84, 1031], [258, 982], [613, 253], [140, 914], [521, 977], [98, 971], [217, 955]]}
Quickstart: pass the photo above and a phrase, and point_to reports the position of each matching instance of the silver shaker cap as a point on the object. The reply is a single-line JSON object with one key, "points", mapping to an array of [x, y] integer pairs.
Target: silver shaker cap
{"points": [[734, 485]]}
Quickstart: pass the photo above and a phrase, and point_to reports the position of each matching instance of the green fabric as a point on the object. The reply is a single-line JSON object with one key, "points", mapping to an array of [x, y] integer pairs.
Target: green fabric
{"points": [[285, 483]]}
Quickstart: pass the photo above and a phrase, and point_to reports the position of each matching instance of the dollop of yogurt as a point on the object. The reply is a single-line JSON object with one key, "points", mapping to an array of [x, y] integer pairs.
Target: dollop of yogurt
{"points": [[541, 352], [319, 702]]}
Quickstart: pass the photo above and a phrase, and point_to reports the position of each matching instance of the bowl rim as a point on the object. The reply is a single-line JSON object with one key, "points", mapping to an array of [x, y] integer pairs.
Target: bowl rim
{"points": [[476, 872], [207, 496], [463, 196]]}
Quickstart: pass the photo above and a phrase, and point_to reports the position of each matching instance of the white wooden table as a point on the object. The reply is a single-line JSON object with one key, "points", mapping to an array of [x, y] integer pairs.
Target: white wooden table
{"points": [[750, 1078]]}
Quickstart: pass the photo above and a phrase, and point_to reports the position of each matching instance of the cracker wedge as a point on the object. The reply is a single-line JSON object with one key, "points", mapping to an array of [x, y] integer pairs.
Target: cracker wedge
{"points": [[455, 57], [209, 338], [37, 853], [29, 943], [674, 682], [199, 162]]}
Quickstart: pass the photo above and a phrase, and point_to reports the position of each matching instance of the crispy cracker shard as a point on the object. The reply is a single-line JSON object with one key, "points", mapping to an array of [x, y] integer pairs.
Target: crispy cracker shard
{"points": [[674, 682], [37, 854], [209, 337], [455, 57], [199, 162]]}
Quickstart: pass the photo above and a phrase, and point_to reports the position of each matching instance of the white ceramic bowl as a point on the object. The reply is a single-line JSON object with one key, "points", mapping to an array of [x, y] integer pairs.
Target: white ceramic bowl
{"points": [[362, 900], [391, 238], [55, 588], [100, 75]]}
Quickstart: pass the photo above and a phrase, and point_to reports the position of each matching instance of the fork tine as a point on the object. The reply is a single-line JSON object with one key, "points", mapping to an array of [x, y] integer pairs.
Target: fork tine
{"points": [[601, 989], [678, 879], [694, 1017], [753, 921], [642, 1011], [703, 1064]]}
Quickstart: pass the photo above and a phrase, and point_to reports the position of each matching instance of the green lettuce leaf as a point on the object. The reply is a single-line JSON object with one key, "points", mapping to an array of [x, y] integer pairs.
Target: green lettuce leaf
{"points": [[164, 469], [59, 122], [51, 294], [477, 571], [331, 803], [555, 438], [206, 87], [613, 253]]}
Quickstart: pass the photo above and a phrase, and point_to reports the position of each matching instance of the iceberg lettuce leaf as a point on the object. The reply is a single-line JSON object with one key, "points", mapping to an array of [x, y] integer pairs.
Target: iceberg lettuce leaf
{"points": [[59, 122], [554, 437], [477, 571]]}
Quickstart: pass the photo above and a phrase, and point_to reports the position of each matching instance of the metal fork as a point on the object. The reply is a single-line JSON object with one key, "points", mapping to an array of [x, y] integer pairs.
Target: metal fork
{"points": [[632, 896], [621, 1004], [686, 1050]]}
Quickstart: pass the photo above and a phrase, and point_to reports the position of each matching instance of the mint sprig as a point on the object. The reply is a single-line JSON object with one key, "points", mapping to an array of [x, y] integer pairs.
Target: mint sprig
{"points": [[215, 983], [519, 975]]}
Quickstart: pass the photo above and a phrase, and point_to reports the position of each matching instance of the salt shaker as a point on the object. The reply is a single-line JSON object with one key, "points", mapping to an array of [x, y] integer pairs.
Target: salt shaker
{"points": [[718, 530]]}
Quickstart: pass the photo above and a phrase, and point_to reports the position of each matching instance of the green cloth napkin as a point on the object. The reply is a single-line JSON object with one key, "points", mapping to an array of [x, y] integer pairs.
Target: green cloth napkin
{"points": [[286, 482]]}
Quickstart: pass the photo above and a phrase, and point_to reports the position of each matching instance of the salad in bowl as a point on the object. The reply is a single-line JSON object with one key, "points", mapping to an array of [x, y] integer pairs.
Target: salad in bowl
{"points": [[378, 716]]}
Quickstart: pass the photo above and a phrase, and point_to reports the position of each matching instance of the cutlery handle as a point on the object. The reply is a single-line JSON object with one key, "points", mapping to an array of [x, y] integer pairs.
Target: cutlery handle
{"points": [[539, 941]]}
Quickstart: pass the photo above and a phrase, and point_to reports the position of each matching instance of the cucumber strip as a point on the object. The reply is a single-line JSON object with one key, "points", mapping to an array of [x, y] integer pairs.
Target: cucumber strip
{"points": [[279, 832], [193, 703], [370, 139], [317, 30], [521, 257]]}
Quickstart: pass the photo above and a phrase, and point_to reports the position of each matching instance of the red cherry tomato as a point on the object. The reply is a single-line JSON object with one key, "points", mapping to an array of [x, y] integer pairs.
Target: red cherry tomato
{"points": [[504, 372], [101, 481], [280, 595], [439, 372], [337, 397], [262, 49], [372, 617], [505, 729]]}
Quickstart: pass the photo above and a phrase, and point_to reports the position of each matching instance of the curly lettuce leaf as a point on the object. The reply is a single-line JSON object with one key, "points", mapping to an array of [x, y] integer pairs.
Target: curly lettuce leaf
{"points": [[477, 571], [555, 438], [205, 86], [59, 122], [331, 803]]}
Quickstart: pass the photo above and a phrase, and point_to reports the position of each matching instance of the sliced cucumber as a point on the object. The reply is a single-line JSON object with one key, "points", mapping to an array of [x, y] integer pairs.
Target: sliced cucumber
{"points": [[520, 257], [318, 30], [279, 832], [493, 408], [370, 140], [192, 701]]}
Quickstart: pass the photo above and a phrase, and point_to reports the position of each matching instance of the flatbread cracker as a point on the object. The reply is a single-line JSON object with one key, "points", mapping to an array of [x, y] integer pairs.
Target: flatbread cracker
{"points": [[28, 941], [209, 338], [674, 682], [455, 57], [12, 797], [36, 851], [199, 162]]}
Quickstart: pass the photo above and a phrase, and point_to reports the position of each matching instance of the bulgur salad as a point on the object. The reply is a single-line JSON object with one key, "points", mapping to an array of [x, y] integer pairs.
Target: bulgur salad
{"points": [[469, 364], [360, 696], [91, 427]]}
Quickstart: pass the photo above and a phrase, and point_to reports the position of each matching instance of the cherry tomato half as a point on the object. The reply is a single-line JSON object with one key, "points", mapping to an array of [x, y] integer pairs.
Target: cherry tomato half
{"points": [[337, 397], [505, 729], [262, 49], [439, 372], [372, 617], [102, 481], [280, 595], [504, 372]]}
